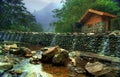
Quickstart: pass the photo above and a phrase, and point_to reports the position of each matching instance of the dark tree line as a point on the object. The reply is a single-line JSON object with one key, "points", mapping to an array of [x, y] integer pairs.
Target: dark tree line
{"points": [[14, 16]]}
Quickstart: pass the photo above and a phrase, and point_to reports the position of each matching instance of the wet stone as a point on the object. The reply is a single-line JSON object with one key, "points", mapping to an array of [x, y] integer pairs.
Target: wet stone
{"points": [[60, 58], [33, 74], [98, 69], [4, 66]]}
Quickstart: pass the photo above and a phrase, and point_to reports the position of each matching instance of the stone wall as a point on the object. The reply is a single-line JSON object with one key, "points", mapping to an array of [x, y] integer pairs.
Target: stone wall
{"points": [[96, 27], [103, 44]]}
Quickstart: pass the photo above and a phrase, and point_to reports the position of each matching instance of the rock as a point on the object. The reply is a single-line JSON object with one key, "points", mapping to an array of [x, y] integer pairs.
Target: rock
{"points": [[49, 54], [73, 61], [38, 54], [8, 47], [1, 47], [94, 67], [33, 52], [28, 55], [6, 75], [13, 46], [55, 55], [51, 50], [74, 53], [0, 51], [73, 56], [12, 72], [60, 58], [114, 33], [97, 69], [24, 74], [80, 70], [19, 71], [89, 34], [23, 51], [5, 59], [33, 74], [35, 59], [5, 66], [15, 51], [44, 49]]}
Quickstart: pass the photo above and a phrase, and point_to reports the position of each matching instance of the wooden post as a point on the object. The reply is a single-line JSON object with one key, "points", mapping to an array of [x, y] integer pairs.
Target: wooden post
{"points": [[106, 24], [106, 27]]}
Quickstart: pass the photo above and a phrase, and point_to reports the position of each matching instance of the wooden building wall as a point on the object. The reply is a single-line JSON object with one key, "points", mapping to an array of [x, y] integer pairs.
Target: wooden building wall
{"points": [[96, 23], [94, 18]]}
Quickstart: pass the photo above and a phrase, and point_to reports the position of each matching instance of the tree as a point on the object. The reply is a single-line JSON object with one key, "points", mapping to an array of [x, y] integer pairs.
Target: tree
{"points": [[107, 6], [73, 10], [14, 16]]}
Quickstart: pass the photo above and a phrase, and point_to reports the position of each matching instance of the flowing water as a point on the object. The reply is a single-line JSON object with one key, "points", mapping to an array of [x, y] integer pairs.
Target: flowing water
{"points": [[19, 38], [4, 36], [7, 36], [74, 43], [29, 69], [104, 46], [11, 36], [53, 43]]}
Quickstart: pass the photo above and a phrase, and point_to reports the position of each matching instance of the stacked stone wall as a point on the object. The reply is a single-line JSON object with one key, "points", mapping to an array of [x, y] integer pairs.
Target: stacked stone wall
{"points": [[110, 45]]}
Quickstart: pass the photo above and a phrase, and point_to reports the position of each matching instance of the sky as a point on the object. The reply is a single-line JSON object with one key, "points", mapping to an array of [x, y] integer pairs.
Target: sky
{"points": [[32, 5]]}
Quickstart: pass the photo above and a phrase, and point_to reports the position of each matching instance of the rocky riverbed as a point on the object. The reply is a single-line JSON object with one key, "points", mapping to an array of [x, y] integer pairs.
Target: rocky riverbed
{"points": [[36, 61]]}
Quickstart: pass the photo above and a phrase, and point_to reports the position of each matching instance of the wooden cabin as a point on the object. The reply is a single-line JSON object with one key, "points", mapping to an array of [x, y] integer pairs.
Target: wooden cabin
{"points": [[96, 21]]}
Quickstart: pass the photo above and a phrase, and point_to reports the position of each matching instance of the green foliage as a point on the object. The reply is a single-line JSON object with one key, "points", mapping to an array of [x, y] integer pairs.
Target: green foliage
{"points": [[107, 6], [73, 10], [14, 16], [36, 28]]}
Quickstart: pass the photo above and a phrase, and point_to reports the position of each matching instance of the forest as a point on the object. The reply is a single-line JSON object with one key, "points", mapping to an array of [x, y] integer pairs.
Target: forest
{"points": [[73, 10], [15, 17]]}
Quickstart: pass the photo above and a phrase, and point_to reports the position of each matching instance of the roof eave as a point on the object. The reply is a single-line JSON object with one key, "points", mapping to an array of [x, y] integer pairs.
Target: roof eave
{"points": [[96, 12]]}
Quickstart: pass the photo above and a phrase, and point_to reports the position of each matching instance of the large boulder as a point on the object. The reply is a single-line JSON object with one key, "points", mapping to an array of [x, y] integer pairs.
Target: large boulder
{"points": [[48, 55], [98, 69], [94, 67], [52, 50], [60, 58], [55, 55]]}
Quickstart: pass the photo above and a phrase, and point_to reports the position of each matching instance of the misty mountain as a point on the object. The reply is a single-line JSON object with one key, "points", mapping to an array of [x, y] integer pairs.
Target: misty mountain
{"points": [[45, 16]]}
